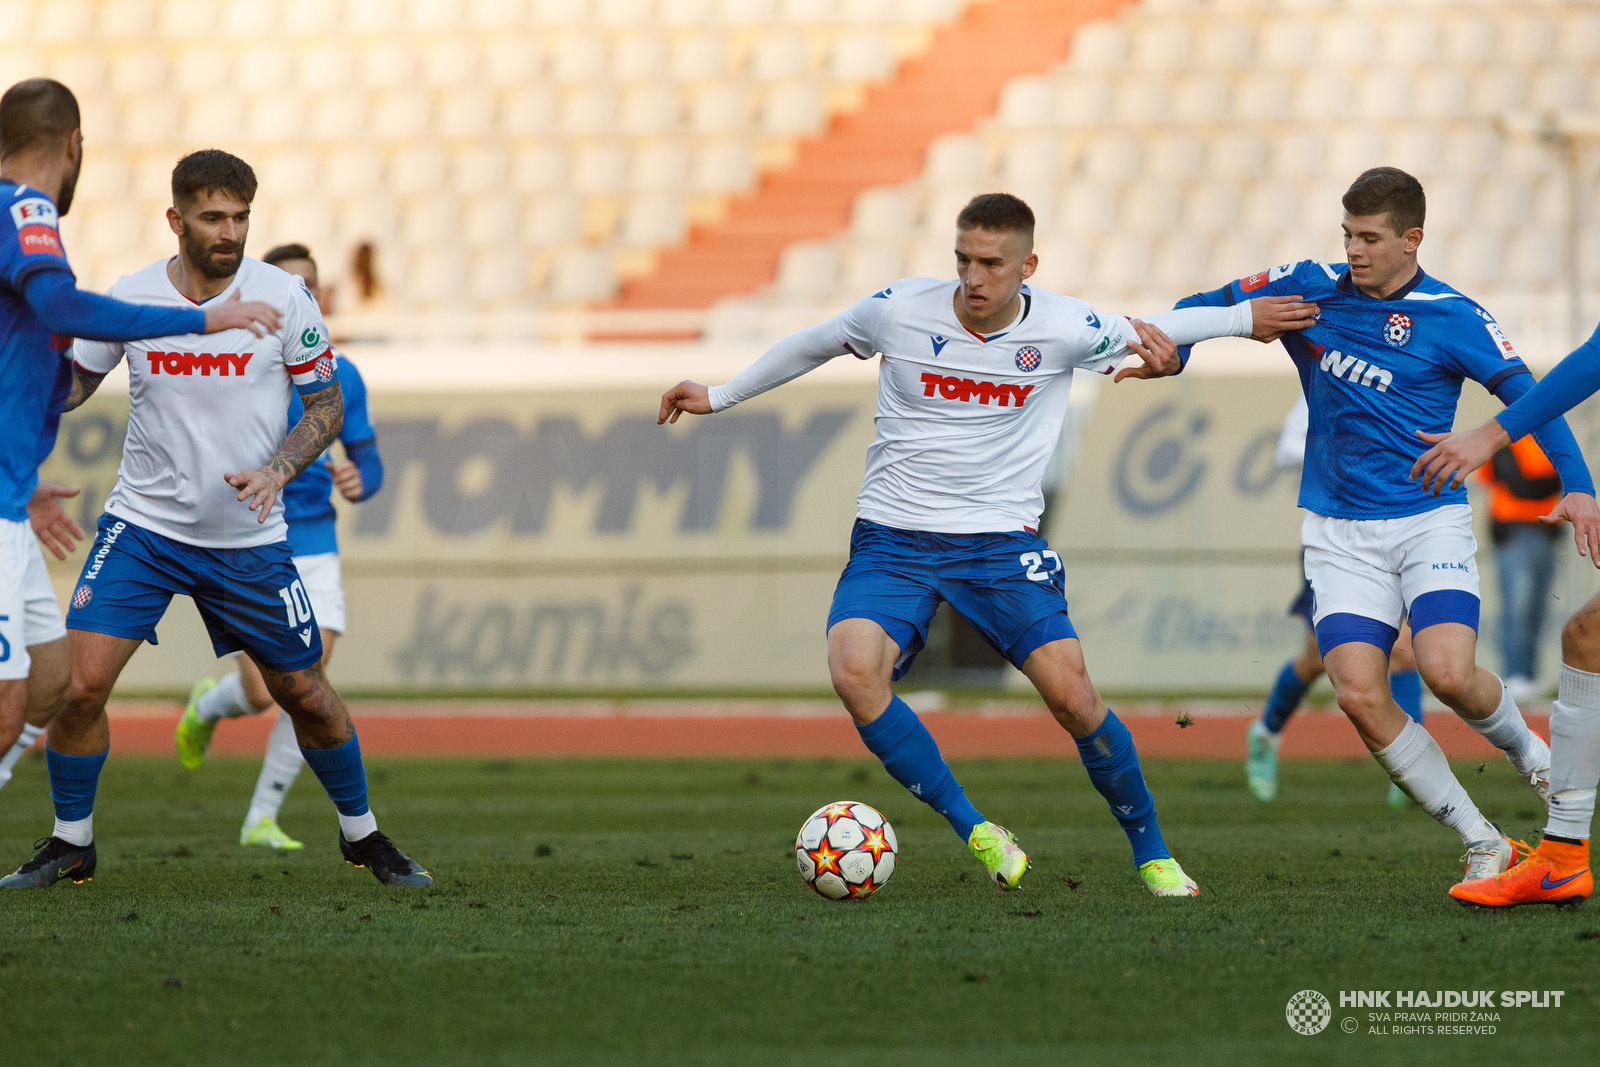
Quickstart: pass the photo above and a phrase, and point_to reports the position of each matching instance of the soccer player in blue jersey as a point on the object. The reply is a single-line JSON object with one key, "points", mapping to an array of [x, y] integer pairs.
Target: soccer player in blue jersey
{"points": [[313, 540], [1558, 870], [1387, 355], [41, 310], [192, 514]]}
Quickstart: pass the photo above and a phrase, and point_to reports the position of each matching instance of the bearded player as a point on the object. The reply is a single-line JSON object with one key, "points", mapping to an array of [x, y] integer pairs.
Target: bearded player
{"points": [[1557, 872], [192, 513], [972, 391]]}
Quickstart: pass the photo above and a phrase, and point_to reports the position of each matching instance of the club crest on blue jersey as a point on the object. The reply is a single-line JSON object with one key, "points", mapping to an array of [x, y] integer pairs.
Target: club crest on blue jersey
{"points": [[938, 344], [1028, 358], [81, 597], [1397, 331]]}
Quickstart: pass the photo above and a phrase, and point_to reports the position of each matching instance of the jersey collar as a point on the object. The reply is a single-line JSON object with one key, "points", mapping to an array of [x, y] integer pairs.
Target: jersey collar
{"points": [[1348, 287], [1027, 306]]}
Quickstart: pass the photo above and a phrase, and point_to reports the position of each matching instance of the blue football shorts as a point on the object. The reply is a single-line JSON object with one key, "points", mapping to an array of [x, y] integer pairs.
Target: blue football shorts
{"points": [[1305, 604], [1007, 585], [251, 599]]}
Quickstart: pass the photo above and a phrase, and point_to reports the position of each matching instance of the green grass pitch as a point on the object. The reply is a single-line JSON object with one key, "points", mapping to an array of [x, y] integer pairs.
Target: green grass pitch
{"points": [[618, 912]]}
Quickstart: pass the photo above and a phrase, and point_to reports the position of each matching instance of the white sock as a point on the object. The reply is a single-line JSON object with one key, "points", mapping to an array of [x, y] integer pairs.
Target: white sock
{"points": [[1416, 764], [24, 741], [1574, 753], [225, 701], [355, 827], [1508, 731], [278, 771], [77, 832]]}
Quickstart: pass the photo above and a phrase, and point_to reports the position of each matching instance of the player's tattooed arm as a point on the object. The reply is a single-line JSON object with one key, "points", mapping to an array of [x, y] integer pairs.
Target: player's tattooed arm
{"points": [[83, 387], [317, 429]]}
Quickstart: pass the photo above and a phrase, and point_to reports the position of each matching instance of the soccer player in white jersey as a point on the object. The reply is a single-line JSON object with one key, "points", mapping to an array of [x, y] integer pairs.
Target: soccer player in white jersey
{"points": [[313, 538], [192, 513], [972, 390], [1557, 872], [1388, 354], [41, 310]]}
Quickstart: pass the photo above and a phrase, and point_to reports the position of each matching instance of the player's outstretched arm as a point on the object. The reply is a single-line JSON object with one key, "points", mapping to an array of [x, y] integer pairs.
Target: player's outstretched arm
{"points": [[236, 313], [783, 362], [1583, 512], [55, 529], [685, 397], [317, 429]]}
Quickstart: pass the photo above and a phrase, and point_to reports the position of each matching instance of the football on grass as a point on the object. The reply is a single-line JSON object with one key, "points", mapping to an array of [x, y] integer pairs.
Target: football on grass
{"points": [[846, 850]]}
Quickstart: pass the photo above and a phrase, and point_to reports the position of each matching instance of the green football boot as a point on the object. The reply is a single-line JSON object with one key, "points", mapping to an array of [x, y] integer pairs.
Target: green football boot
{"points": [[997, 848], [267, 833], [1165, 878], [1261, 762], [193, 736]]}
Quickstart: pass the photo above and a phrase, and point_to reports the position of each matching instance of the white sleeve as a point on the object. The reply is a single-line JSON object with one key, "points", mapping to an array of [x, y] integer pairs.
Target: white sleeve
{"points": [[783, 362], [1291, 450], [1111, 334], [97, 357]]}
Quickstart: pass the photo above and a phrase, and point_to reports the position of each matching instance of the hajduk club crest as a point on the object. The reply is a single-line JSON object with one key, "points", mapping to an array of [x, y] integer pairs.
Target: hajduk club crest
{"points": [[1028, 358]]}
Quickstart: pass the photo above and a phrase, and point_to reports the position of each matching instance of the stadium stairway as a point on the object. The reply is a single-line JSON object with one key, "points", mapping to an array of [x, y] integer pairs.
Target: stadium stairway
{"points": [[950, 88]]}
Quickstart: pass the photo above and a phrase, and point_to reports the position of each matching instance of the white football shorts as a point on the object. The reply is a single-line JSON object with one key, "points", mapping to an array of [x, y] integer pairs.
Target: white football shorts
{"points": [[324, 583], [1382, 570], [29, 614]]}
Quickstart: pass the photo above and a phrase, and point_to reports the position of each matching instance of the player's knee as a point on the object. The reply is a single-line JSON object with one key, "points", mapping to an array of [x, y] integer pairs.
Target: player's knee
{"points": [[856, 678], [1580, 641], [1449, 681], [84, 699], [1362, 704]]}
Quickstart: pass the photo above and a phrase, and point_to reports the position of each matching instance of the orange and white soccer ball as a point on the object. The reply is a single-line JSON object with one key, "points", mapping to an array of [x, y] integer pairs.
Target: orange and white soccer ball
{"points": [[846, 850]]}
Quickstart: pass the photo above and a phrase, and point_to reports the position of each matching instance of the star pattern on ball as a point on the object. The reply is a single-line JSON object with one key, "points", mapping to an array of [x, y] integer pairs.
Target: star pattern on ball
{"points": [[876, 843], [865, 889], [826, 858], [834, 812]]}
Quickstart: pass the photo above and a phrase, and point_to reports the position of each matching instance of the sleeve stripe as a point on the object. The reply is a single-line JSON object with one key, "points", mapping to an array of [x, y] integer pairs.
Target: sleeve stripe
{"points": [[86, 372], [306, 373]]}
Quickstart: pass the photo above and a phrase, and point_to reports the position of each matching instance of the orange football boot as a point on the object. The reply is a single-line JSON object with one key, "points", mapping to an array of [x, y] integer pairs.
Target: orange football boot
{"points": [[1556, 873]]}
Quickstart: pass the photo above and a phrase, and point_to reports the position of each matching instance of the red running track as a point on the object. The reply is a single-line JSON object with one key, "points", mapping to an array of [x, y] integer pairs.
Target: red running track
{"points": [[419, 730]]}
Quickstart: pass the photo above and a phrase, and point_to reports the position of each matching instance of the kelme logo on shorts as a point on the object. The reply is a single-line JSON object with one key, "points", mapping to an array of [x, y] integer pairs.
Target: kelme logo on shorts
{"points": [[310, 337]]}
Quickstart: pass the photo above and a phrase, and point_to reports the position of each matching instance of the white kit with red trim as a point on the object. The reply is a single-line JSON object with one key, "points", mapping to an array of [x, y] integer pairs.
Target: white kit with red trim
{"points": [[205, 405]]}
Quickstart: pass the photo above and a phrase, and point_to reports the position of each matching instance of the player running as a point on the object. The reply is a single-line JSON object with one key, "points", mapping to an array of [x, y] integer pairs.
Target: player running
{"points": [[1388, 354], [41, 310], [1557, 872], [972, 391], [192, 514], [1301, 672], [313, 540]]}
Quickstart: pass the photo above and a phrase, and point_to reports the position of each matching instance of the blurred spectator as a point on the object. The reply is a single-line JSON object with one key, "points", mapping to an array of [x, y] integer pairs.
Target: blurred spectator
{"points": [[1522, 486], [369, 292]]}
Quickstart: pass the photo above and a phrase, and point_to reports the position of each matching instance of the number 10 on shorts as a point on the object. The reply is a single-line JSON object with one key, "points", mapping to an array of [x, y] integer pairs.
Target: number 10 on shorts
{"points": [[295, 604]]}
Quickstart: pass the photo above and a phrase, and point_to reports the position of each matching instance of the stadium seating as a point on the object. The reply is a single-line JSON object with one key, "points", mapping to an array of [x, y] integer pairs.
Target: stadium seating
{"points": [[561, 140], [1186, 142]]}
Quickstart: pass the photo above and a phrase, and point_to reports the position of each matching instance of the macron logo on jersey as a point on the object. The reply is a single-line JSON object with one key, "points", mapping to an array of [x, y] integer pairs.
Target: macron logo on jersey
{"points": [[964, 389], [36, 222], [205, 362], [1355, 371]]}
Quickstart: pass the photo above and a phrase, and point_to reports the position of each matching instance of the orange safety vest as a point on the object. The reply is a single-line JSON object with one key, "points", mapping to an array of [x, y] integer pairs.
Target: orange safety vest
{"points": [[1505, 506]]}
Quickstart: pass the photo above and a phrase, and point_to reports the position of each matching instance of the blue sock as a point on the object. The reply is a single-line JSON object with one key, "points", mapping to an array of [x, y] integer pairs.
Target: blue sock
{"points": [[911, 757], [340, 772], [1287, 692], [1113, 766], [73, 780], [1407, 689]]}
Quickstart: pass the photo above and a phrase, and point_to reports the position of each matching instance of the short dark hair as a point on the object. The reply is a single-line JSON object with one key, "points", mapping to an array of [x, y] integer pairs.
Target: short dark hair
{"points": [[212, 170], [999, 212], [1388, 191], [35, 111], [284, 253]]}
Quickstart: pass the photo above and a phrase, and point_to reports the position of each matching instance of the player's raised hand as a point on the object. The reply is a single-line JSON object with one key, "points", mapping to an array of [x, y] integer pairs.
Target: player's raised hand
{"points": [[1456, 455], [55, 529], [1159, 352], [1273, 316], [1581, 510], [347, 479], [259, 487], [691, 397], [235, 313]]}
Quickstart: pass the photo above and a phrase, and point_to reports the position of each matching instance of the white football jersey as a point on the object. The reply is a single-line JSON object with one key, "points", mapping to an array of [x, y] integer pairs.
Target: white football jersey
{"points": [[966, 424], [205, 405]]}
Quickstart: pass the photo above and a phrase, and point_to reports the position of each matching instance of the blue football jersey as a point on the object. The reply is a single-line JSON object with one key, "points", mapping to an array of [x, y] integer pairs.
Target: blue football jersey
{"points": [[1375, 372], [308, 499], [37, 376]]}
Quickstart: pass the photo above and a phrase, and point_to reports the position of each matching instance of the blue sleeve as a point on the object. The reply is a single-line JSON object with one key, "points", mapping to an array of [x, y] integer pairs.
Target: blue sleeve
{"points": [[364, 454], [1554, 436], [1216, 298], [65, 309], [359, 438], [1574, 380]]}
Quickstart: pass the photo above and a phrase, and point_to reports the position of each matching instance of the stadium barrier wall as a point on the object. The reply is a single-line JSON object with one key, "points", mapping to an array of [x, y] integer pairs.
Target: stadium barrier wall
{"points": [[560, 540]]}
